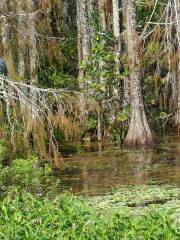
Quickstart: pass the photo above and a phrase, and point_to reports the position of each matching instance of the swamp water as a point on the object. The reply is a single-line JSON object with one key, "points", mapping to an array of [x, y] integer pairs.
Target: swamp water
{"points": [[128, 194], [93, 169]]}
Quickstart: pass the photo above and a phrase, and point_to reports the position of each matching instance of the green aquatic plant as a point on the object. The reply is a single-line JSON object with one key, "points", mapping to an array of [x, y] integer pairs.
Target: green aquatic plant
{"points": [[68, 217], [137, 196]]}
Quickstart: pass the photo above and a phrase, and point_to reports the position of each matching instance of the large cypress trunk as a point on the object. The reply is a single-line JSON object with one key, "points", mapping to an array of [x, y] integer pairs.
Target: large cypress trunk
{"points": [[139, 132]]}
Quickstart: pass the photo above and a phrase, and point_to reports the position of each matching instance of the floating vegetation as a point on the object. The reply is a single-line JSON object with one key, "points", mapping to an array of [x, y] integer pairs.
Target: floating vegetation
{"points": [[138, 196]]}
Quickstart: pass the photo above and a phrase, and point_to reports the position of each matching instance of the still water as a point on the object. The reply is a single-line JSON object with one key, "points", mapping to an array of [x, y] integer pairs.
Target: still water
{"points": [[96, 168]]}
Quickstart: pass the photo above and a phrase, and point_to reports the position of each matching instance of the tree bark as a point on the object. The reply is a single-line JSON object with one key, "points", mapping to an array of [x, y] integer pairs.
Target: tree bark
{"points": [[22, 39], [116, 24], [105, 12], [177, 113], [102, 14], [126, 82], [103, 24], [79, 43], [116, 30], [32, 42], [5, 37], [139, 132], [4, 26], [84, 33]]}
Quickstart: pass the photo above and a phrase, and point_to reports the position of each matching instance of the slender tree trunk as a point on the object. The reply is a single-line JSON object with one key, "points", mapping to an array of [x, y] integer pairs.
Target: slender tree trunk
{"points": [[116, 25], [4, 26], [79, 35], [126, 83], [91, 8], [177, 113], [32, 45], [65, 11], [32, 42], [102, 19], [21, 39], [5, 37], [116, 29], [99, 123], [102, 14], [84, 34], [86, 38], [174, 83], [139, 132], [106, 13]]}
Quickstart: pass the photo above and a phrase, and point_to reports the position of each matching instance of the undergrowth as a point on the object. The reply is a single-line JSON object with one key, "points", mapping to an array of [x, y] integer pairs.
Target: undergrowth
{"points": [[23, 216]]}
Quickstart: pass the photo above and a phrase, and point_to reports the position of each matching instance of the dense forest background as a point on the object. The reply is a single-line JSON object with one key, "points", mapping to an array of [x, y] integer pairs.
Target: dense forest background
{"points": [[89, 70]]}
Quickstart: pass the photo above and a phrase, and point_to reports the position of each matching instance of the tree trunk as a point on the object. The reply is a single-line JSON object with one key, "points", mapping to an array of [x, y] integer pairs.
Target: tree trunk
{"points": [[32, 42], [116, 30], [91, 8], [84, 36], [116, 25], [127, 96], [126, 82], [32, 45], [102, 14], [102, 19], [79, 43], [177, 113], [106, 12], [139, 132], [99, 123], [5, 38], [22, 39], [4, 26]]}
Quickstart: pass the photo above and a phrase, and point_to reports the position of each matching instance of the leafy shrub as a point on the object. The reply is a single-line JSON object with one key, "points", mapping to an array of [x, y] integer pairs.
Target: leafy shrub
{"points": [[28, 175]]}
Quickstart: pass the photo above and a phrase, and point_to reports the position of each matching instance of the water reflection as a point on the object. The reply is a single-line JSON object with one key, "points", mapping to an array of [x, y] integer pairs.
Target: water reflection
{"points": [[106, 167]]}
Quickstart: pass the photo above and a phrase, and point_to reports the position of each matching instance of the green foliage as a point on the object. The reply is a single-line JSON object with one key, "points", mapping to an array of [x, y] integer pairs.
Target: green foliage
{"points": [[121, 124], [100, 65], [3, 176], [67, 217], [92, 123], [27, 174], [3, 151], [124, 115], [51, 78]]}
